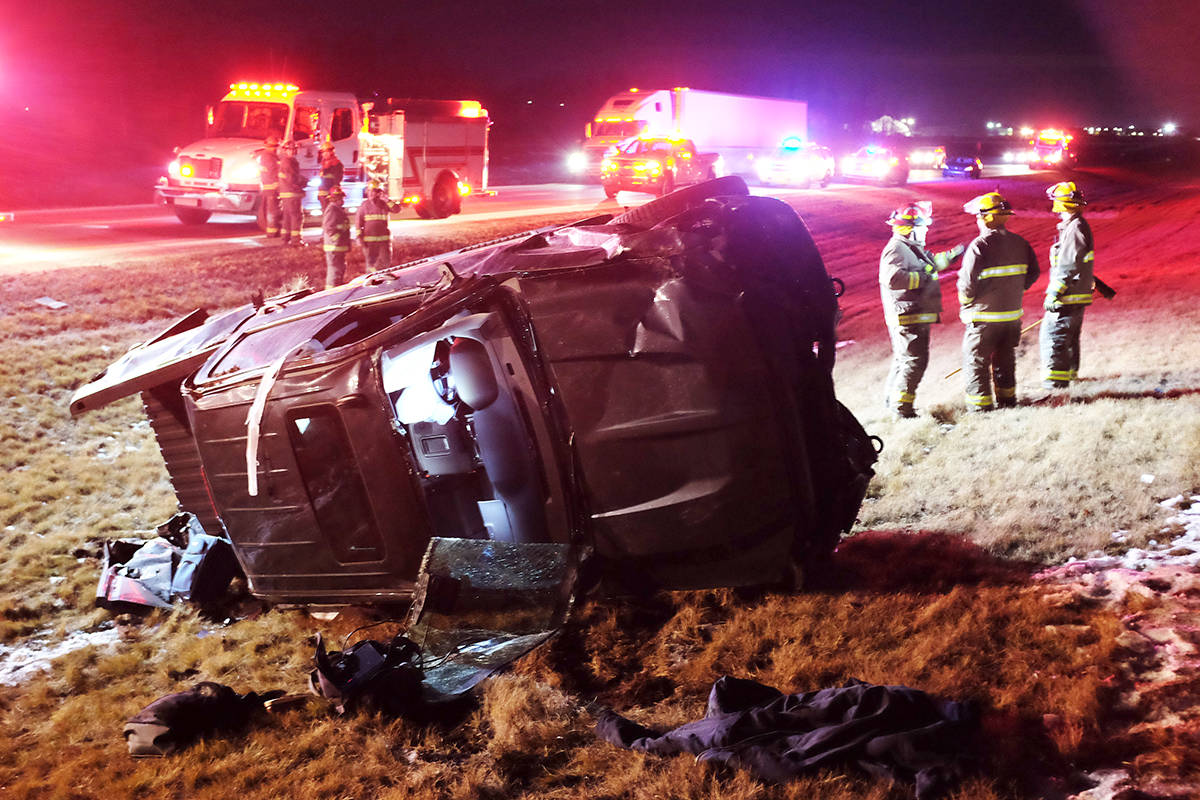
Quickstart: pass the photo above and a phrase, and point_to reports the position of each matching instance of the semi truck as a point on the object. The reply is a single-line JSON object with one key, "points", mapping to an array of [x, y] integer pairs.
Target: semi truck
{"points": [[740, 128], [428, 153]]}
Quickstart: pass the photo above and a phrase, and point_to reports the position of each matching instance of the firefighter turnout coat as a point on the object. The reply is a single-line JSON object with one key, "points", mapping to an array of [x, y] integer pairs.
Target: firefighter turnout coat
{"points": [[1068, 293], [291, 197], [912, 300], [997, 268], [335, 230], [373, 232]]}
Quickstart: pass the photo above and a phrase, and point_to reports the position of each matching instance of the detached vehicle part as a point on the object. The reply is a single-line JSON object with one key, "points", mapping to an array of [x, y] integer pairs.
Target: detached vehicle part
{"points": [[652, 391]]}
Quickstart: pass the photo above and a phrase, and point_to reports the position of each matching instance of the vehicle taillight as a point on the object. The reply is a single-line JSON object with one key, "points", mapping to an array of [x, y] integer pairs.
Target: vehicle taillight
{"points": [[464, 188], [411, 199]]}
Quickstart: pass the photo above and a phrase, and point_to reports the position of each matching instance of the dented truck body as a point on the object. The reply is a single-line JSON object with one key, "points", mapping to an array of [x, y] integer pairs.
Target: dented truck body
{"points": [[653, 391]]}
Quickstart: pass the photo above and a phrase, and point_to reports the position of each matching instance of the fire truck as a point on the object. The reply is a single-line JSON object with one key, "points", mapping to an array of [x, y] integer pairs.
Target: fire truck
{"points": [[1052, 150], [429, 154]]}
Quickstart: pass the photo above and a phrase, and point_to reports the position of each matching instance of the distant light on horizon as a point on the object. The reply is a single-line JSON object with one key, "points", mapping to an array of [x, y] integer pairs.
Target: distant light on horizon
{"points": [[1170, 128]]}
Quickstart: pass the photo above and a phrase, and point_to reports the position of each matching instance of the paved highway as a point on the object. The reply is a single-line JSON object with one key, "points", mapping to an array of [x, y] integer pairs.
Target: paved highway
{"points": [[50, 239]]}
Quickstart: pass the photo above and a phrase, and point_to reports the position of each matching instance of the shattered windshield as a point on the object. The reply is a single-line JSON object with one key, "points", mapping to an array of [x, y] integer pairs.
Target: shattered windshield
{"points": [[238, 118]]}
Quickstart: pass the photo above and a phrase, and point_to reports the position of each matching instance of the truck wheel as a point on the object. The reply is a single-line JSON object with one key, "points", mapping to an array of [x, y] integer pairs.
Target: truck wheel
{"points": [[654, 212], [444, 200], [192, 216]]}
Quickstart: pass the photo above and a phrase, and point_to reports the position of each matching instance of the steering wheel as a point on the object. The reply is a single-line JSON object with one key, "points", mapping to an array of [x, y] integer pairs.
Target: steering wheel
{"points": [[439, 373]]}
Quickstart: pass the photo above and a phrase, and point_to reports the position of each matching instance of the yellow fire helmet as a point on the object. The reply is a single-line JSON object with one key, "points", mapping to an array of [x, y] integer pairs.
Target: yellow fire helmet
{"points": [[917, 212], [1066, 196], [989, 206], [326, 146]]}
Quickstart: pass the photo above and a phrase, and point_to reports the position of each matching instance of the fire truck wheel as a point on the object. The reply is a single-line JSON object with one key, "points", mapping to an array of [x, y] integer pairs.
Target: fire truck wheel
{"points": [[192, 216], [444, 199], [654, 212]]}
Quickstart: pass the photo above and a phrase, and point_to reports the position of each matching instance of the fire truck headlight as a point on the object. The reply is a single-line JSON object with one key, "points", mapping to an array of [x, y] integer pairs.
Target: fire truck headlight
{"points": [[654, 167], [608, 166], [577, 162], [173, 169], [246, 173]]}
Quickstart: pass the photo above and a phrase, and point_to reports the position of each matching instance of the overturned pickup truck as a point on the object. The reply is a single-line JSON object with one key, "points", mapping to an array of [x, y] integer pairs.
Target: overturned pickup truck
{"points": [[653, 391]]}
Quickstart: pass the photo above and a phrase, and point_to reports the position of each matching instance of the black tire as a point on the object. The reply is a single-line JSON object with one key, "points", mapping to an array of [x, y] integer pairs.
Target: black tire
{"points": [[667, 186], [443, 201], [654, 212], [193, 216]]}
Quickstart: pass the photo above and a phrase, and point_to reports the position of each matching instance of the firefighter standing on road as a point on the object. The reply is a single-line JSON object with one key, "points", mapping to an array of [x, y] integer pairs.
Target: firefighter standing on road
{"points": [[997, 269], [335, 228], [373, 232], [268, 181], [331, 172], [291, 195], [1070, 289], [912, 300]]}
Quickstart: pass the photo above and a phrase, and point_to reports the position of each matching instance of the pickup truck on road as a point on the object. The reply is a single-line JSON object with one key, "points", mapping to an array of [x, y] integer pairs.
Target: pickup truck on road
{"points": [[656, 164]]}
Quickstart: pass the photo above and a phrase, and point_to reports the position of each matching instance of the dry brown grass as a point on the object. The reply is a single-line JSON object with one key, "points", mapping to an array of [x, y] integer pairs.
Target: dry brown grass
{"points": [[918, 604]]}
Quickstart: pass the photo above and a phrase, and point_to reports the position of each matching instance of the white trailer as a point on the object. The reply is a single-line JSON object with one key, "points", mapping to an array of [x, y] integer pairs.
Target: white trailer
{"points": [[741, 128], [445, 158]]}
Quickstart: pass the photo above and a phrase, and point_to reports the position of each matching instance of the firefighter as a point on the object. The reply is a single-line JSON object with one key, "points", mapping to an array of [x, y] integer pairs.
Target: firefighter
{"points": [[1070, 289], [331, 172], [912, 300], [997, 268], [268, 181], [335, 227], [372, 223], [291, 195]]}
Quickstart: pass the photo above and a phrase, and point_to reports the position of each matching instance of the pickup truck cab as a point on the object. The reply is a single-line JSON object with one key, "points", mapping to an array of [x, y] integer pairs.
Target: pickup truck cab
{"points": [[656, 164]]}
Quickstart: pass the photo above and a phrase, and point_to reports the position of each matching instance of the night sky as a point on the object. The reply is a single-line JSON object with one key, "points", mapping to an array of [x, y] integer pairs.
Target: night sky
{"points": [[128, 81]]}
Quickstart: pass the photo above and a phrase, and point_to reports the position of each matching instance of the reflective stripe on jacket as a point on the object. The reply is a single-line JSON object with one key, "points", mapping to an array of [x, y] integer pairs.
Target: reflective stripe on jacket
{"points": [[291, 182], [331, 175], [908, 283], [1072, 257], [335, 229], [997, 268], [372, 220], [268, 170]]}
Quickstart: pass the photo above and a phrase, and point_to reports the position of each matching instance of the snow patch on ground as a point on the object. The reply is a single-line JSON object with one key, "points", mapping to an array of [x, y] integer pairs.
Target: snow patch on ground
{"points": [[1156, 593], [19, 663]]}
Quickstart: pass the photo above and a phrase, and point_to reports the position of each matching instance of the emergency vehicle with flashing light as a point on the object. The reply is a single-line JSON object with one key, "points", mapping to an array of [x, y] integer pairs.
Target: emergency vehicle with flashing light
{"points": [[1052, 150], [427, 153], [796, 163], [739, 128], [880, 164], [656, 164]]}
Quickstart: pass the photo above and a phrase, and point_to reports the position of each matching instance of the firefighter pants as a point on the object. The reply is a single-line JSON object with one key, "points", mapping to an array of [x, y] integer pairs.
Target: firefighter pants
{"points": [[990, 356], [270, 203], [1059, 344], [293, 219], [335, 268], [910, 356], [378, 255]]}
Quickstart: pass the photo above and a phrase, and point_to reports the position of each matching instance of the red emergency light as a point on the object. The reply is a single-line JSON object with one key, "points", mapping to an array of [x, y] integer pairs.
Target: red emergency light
{"points": [[273, 91]]}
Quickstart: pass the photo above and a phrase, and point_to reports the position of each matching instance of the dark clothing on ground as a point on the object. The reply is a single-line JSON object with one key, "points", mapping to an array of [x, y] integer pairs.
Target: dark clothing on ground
{"points": [[892, 731], [1068, 293], [997, 269]]}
